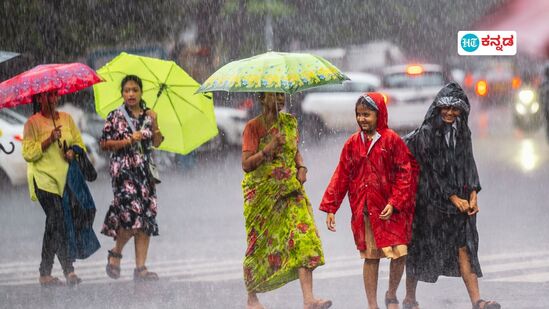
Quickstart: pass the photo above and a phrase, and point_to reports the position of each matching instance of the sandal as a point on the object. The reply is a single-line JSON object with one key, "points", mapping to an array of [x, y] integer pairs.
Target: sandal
{"points": [[142, 274], [319, 304], [488, 304], [390, 301], [73, 280], [113, 271], [50, 282], [410, 305]]}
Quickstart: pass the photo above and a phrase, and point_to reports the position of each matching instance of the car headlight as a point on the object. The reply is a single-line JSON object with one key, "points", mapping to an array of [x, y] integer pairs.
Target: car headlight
{"points": [[526, 96], [521, 109], [534, 108]]}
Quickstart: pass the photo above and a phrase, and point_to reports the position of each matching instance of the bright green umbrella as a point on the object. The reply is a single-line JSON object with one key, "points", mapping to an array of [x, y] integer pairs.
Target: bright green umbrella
{"points": [[186, 119], [274, 72]]}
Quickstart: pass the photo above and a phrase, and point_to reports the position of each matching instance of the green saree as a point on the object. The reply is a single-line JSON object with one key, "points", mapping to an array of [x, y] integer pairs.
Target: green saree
{"points": [[280, 227]]}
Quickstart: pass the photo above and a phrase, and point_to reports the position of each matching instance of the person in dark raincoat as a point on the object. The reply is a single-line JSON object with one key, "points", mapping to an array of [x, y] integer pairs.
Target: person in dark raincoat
{"points": [[377, 171], [445, 238]]}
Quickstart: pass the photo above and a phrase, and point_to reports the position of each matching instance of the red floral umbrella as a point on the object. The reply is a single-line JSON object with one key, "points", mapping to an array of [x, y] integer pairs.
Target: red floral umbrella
{"points": [[65, 78]]}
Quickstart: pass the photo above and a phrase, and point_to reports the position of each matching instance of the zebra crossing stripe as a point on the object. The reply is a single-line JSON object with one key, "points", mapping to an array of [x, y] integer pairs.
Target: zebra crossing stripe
{"points": [[498, 267]]}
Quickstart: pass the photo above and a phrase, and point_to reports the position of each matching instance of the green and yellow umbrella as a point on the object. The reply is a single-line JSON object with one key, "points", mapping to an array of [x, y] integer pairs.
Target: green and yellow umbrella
{"points": [[186, 119], [274, 72]]}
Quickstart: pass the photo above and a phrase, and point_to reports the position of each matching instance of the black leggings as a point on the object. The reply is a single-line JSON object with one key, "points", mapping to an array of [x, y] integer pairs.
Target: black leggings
{"points": [[55, 240]]}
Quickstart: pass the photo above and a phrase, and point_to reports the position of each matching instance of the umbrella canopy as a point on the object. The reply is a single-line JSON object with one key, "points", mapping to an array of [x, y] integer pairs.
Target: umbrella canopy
{"points": [[274, 72], [64, 78], [5, 55], [187, 120]]}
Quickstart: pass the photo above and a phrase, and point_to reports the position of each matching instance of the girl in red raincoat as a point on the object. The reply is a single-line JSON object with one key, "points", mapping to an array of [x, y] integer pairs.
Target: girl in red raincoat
{"points": [[379, 173]]}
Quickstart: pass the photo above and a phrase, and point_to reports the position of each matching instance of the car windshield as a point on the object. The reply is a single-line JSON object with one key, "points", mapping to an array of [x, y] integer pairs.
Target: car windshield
{"points": [[403, 80]]}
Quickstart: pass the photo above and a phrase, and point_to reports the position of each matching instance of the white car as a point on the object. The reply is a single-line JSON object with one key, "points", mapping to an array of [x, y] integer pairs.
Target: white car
{"points": [[410, 90], [231, 123], [13, 168], [333, 106]]}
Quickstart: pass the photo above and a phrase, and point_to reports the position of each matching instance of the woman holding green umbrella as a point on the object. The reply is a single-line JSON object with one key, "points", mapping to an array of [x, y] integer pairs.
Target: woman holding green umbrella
{"points": [[129, 133], [283, 242]]}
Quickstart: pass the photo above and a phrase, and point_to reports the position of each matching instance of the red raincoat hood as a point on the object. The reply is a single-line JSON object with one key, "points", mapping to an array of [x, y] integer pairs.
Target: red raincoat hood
{"points": [[382, 116]]}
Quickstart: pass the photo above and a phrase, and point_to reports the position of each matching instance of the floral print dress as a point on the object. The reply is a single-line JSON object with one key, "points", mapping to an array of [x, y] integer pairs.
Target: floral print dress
{"points": [[134, 204], [280, 227]]}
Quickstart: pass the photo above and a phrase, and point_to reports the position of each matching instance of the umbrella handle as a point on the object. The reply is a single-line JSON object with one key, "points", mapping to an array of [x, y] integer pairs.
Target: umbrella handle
{"points": [[54, 125], [7, 151]]}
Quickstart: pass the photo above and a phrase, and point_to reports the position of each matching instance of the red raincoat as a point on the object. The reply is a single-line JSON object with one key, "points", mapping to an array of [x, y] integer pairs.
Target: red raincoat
{"points": [[384, 174]]}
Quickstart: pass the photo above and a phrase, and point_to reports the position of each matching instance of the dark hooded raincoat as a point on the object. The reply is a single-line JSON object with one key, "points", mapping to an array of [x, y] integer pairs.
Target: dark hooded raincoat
{"points": [[439, 228], [375, 177]]}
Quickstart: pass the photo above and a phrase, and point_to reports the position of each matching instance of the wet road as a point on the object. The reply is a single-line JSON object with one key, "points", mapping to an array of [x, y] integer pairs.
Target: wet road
{"points": [[202, 240]]}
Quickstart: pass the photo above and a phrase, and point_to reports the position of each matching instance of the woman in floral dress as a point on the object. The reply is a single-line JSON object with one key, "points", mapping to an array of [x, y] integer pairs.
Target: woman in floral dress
{"points": [[283, 242], [133, 210]]}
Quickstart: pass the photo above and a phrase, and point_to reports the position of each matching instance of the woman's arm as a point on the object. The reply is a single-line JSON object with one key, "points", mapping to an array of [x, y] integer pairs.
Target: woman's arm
{"points": [[115, 145], [110, 139], [339, 183], [252, 160], [157, 137], [32, 147], [301, 168]]}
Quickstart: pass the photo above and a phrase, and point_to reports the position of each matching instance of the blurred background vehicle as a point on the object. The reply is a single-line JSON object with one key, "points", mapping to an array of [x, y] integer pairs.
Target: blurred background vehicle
{"points": [[493, 81], [230, 123], [332, 107], [527, 111], [410, 89], [13, 168]]}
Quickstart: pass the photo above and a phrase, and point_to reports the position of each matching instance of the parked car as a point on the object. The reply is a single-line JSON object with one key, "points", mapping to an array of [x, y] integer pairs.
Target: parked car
{"points": [[410, 90], [13, 168], [230, 123], [332, 107]]}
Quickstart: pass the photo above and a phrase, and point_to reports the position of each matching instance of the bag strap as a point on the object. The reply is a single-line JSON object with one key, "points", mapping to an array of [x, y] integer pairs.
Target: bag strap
{"points": [[122, 108]]}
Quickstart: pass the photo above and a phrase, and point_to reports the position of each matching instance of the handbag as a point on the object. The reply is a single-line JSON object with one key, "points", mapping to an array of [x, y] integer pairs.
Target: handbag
{"points": [[84, 163], [154, 175]]}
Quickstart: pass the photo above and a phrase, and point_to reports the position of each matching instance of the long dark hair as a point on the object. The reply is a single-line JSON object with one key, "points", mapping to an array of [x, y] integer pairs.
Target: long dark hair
{"points": [[35, 104], [139, 83]]}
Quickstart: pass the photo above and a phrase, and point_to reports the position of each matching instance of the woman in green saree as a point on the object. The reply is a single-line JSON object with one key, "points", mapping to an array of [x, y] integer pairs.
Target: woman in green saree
{"points": [[283, 242]]}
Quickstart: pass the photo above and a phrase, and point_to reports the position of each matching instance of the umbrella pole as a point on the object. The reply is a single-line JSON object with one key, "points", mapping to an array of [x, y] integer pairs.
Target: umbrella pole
{"points": [[54, 125]]}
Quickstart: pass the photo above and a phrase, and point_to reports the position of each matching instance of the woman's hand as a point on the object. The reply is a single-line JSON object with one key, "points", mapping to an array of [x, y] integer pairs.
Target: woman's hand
{"points": [[56, 134], [473, 206], [69, 155], [387, 212], [461, 204], [331, 222], [277, 140], [302, 174], [152, 114], [137, 136]]}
